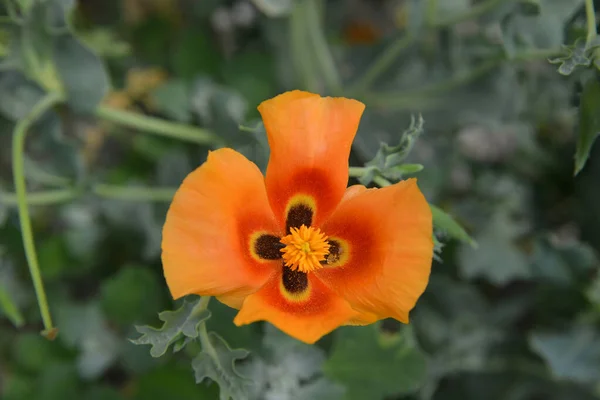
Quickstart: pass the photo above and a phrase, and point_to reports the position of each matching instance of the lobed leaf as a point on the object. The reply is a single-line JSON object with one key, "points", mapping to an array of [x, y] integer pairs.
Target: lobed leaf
{"points": [[183, 322], [288, 369], [217, 362], [577, 55]]}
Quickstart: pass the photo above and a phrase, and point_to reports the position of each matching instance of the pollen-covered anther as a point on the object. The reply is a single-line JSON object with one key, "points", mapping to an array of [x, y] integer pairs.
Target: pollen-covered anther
{"points": [[305, 248]]}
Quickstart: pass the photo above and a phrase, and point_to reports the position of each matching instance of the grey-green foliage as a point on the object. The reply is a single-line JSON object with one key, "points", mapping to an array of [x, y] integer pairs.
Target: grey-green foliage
{"points": [[573, 354], [287, 369], [178, 324], [45, 48], [580, 54], [388, 161], [217, 362]]}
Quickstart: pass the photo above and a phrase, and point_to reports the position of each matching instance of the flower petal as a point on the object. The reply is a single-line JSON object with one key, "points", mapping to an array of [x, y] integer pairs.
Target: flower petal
{"points": [[385, 237], [310, 139], [298, 304], [216, 214]]}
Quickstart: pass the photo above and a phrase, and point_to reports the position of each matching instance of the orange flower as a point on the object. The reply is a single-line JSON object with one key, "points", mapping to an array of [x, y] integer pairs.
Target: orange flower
{"points": [[296, 248]]}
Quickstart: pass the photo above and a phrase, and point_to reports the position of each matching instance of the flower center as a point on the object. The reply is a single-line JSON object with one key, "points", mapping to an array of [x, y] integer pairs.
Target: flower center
{"points": [[305, 248]]}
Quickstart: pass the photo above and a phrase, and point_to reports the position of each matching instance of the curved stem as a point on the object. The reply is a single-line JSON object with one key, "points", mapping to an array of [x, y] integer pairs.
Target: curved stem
{"points": [[18, 149], [383, 62], [41, 198], [426, 96], [387, 57], [299, 49], [107, 191], [133, 193], [590, 15], [473, 12], [158, 126], [322, 53]]}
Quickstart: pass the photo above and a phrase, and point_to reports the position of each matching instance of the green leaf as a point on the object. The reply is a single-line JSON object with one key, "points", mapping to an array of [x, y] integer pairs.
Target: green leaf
{"points": [[11, 294], [83, 74], [172, 98], [589, 122], [131, 295], [183, 322], [497, 258], [217, 362], [572, 354], [373, 365], [17, 95], [576, 55], [408, 169], [445, 223], [9, 308]]}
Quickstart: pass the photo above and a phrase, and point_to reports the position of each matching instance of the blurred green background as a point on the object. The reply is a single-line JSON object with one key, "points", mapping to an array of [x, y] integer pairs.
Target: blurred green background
{"points": [[146, 87]]}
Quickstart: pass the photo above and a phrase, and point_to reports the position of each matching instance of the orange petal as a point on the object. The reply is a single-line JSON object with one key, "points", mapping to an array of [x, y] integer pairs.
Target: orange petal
{"points": [[307, 314], [215, 214], [387, 239], [310, 139]]}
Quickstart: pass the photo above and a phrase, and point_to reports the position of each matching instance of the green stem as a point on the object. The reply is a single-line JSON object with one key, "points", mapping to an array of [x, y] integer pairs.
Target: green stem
{"points": [[299, 49], [18, 149], [203, 332], [381, 181], [356, 172], [590, 15], [133, 193], [41, 198], [107, 191], [320, 47], [157, 126], [431, 12], [383, 62], [387, 57], [428, 95], [475, 11]]}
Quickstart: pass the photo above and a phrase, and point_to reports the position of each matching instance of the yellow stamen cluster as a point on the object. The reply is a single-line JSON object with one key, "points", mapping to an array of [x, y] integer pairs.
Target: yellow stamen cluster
{"points": [[305, 248]]}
